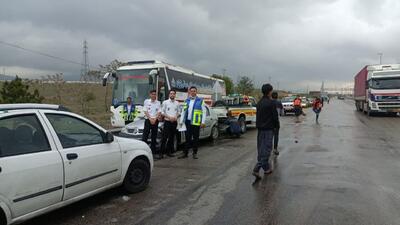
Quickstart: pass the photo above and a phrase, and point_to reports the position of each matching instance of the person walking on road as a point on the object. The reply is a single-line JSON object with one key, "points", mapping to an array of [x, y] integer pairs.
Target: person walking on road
{"points": [[297, 107], [152, 112], [317, 107], [170, 112], [128, 111], [279, 108], [266, 120], [194, 117]]}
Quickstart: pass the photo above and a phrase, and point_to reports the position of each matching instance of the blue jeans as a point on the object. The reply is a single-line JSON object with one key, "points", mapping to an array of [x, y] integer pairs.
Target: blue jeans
{"points": [[264, 147]]}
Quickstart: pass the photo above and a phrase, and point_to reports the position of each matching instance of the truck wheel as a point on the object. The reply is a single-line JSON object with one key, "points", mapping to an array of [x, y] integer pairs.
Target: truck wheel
{"points": [[138, 176], [214, 133], [3, 219], [369, 113], [243, 125]]}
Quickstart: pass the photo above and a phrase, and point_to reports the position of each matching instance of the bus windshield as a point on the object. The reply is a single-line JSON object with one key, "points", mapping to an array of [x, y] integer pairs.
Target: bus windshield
{"points": [[132, 83], [386, 83]]}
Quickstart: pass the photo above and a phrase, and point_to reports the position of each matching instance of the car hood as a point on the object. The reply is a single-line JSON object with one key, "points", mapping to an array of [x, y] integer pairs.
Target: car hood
{"points": [[128, 144], [138, 124]]}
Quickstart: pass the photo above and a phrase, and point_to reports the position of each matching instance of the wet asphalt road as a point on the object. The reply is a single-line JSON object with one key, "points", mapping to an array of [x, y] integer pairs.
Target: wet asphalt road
{"points": [[346, 170]]}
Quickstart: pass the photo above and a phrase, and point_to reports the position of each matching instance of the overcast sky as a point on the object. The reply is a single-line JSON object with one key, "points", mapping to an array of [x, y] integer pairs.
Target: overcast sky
{"points": [[297, 43]]}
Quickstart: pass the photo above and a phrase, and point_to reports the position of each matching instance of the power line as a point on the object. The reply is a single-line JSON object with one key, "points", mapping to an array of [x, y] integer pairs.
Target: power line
{"points": [[40, 53]]}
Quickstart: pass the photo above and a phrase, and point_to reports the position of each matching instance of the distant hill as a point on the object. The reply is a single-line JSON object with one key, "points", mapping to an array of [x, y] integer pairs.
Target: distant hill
{"points": [[5, 77]]}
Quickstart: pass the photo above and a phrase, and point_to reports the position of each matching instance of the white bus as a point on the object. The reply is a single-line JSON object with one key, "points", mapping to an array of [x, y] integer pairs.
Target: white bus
{"points": [[137, 78]]}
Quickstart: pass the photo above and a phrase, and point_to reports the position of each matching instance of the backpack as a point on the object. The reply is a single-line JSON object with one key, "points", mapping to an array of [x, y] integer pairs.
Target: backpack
{"points": [[297, 102]]}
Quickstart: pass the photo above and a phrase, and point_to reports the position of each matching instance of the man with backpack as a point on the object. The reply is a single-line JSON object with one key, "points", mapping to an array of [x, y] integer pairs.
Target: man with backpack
{"points": [[297, 106], [317, 107]]}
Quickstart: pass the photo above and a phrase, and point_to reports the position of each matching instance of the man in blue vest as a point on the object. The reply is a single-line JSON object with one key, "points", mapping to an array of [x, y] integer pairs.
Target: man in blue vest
{"points": [[128, 112], [194, 117]]}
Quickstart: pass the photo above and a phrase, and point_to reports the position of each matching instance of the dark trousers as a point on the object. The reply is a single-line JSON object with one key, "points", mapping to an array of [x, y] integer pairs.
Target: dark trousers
{"points": [[276, 137], [192, 137], [168, 137], [264, 146], [153, 128]]}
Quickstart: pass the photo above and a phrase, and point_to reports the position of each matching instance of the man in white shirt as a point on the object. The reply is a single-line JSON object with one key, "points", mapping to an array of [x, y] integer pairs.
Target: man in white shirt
{"points": [[170, 112], [194, 117], [152, 111]]}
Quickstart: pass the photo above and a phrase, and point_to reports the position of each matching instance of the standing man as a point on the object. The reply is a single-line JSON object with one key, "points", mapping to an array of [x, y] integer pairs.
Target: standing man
{"points": [[170, 111], [128, 111], [194, 117], [152, 111], [266, 120], [279, 108]]}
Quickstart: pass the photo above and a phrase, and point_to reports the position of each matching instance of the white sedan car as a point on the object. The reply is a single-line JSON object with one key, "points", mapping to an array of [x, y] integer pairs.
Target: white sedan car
{"points": [[50, 158]]}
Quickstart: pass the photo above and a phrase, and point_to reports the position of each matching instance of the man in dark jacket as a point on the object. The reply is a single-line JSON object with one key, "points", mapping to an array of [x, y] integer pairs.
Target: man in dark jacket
{"points": [[279, 108], [267, 120]]}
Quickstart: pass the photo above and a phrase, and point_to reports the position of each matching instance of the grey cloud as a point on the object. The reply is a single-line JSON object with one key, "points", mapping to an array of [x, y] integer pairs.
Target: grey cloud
{"points": [[287, 40]]}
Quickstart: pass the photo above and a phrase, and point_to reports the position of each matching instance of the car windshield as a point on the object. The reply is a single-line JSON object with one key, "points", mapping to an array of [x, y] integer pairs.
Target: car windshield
{"points": [[132, 83], [288, 99], [386, 83]]}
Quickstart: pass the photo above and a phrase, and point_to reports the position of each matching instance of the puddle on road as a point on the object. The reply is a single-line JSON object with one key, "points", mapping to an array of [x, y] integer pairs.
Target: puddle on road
{"points": [[316, 148]]}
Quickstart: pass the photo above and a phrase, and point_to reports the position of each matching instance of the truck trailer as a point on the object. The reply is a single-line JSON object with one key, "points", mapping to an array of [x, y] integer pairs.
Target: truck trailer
{"points": [[377, 89]]}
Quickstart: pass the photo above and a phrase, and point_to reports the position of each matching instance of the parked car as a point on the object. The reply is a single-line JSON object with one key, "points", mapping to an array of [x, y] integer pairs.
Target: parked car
{"points": [[287, 103], [211, 131], [50, 158]]}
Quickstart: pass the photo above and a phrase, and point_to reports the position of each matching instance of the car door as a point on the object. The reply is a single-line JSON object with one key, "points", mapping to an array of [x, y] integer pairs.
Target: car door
{"points": [[89, 162], [31, 168], [205, 132]]}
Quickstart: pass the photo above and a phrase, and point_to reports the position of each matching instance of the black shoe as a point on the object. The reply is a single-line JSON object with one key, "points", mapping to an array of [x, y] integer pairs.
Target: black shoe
{"points": [[195, 156], [257, 175], [170, 155], [276, 152], [183, 157]]}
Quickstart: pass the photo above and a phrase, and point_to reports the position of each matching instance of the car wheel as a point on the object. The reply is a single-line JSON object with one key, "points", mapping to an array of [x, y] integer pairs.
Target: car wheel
{"points": [[214, 133], [138, 176], [243, 125]]}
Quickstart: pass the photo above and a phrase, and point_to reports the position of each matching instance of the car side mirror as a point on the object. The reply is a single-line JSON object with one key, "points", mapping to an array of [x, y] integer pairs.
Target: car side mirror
{"points": [[109, 137]]}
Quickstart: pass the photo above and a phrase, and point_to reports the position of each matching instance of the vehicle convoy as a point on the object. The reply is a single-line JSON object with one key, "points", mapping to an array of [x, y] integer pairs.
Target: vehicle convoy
{"points": [[377, 89], [241, 107], [137, 78], [50, 158]]}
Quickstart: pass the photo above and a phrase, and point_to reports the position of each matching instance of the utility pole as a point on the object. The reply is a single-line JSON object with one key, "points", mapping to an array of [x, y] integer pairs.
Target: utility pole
{"points": [[269, 79], [85, 62], [380, 58]]}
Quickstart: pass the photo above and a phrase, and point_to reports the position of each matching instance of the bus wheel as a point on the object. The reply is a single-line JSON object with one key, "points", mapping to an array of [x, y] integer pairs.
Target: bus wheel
{"points": [[243, 125]]}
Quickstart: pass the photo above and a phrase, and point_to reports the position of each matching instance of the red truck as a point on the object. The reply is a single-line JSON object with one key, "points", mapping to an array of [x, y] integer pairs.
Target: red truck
{"points": [[377, 89]]}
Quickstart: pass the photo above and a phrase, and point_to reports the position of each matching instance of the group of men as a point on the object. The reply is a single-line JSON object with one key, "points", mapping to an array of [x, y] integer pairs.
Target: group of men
{"points": [[192, 116]]}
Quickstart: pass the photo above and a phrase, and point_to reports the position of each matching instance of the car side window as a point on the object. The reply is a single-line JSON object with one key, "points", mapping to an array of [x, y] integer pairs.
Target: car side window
{"points": [[74, 132], [22, 134]]}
